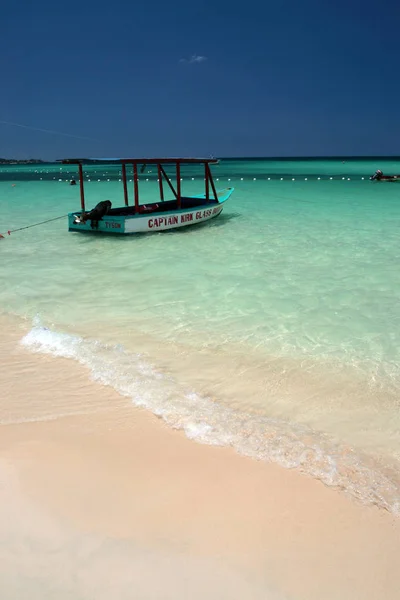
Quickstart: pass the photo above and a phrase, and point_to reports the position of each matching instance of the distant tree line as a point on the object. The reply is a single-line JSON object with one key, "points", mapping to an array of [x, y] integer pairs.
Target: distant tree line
{"points": [[13, 161]]}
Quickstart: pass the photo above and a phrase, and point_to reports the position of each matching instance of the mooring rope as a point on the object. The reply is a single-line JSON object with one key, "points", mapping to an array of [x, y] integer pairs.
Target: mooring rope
{"points": [[10, 231]]}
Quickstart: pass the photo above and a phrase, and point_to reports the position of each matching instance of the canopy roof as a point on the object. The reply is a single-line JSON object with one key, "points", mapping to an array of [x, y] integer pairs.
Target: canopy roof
{"points": [[147, 161]]}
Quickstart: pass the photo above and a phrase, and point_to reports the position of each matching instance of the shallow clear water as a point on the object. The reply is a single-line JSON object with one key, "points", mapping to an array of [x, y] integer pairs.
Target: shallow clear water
{"points": [[274, 329]]}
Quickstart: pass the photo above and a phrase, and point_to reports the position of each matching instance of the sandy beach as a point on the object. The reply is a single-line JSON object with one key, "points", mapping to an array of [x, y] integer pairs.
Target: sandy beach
{"points": [[193, 407], [100, 499]]}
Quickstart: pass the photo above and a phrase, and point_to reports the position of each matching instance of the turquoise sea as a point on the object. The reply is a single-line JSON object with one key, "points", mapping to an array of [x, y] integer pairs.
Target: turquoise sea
{"points": [[274, 329]]}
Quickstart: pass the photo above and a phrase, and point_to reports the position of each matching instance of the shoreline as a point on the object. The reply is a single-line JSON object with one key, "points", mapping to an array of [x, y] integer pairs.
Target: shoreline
{"points": [[111, 470], [213, 397]]}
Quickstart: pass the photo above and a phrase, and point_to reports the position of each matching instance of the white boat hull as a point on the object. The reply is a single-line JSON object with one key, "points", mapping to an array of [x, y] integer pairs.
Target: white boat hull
{"points": [[151, 218], [160, 222]]}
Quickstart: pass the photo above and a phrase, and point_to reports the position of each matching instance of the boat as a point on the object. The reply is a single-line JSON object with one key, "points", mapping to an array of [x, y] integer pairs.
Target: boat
{"points": [[379, 176], [160, 215]]}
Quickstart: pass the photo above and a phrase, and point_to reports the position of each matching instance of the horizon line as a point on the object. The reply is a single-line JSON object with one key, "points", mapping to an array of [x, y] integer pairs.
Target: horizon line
{"points": [[259, 157]]}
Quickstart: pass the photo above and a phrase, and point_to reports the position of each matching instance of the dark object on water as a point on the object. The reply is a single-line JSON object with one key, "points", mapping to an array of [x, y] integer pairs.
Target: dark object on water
{"points": [[379, 176], [72, 182], [95, 215]]}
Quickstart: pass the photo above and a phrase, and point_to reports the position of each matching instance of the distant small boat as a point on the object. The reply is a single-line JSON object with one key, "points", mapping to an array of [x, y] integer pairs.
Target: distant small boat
{"points": [[379, 176]]}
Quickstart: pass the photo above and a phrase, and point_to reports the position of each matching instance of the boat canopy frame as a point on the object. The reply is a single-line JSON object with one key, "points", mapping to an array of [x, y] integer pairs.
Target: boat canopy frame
{"points": [[159, 162]]}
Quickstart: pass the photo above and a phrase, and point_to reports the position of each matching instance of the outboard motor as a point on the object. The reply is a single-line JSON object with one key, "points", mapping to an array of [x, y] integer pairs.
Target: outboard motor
{"points": [[377, 175], [95, 215]]}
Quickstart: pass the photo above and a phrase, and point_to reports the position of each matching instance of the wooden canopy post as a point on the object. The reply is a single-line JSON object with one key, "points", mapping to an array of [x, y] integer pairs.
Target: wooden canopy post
{"points": [[125, 184], [160, 182], [136, 187], [178, 184], [207, 175], [81, 186], [168, 181], [212, 182]]}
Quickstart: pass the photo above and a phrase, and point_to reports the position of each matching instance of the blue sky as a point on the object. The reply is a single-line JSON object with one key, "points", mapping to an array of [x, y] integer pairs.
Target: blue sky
{"points": [[186, 78]]}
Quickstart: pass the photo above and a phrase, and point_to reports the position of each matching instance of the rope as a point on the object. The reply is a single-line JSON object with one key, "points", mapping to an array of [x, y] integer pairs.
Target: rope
{"points": [[10, 231]]}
